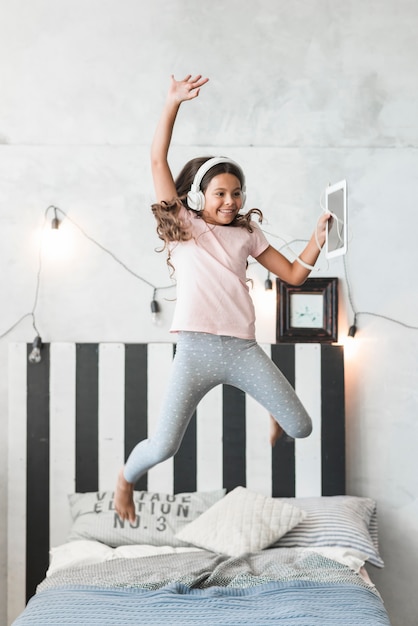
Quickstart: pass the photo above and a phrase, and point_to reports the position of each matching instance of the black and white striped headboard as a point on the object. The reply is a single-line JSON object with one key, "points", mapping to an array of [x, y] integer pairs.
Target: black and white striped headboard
{"points": [[75, 416]]}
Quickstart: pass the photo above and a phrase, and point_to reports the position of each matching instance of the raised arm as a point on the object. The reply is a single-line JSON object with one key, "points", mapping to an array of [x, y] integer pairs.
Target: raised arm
{"points": [[296, 273], [179, 91]]}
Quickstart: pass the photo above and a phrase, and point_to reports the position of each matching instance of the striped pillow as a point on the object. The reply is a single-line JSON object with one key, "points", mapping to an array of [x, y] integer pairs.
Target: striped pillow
{"points": [[346, 521]]}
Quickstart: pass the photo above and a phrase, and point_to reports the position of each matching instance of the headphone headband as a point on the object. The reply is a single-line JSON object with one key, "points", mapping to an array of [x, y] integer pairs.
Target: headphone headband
{"points": [[195, 197]]}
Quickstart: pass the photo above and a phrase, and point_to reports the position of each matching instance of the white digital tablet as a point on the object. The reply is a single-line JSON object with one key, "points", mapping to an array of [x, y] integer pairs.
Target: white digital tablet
{"points": [[336, 230]]}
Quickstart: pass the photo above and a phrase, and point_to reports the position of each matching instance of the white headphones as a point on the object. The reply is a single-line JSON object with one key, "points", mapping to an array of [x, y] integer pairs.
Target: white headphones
{"points": [[195, 197]]}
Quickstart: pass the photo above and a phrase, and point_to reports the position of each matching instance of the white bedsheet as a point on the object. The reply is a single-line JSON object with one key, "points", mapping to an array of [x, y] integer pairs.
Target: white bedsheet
{"points": [[85, 552]]}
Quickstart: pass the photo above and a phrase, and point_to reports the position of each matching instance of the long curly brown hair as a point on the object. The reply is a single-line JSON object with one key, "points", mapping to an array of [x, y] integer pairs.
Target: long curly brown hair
{"points": [[170, 227]]}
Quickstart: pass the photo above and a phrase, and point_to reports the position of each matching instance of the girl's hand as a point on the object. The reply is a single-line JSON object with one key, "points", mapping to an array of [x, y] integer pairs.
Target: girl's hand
{"points": [[186, 89], [321, 228]]}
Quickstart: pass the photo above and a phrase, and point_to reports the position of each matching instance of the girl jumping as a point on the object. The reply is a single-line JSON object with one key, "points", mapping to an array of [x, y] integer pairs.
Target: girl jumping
{"points": [[208, 239]]}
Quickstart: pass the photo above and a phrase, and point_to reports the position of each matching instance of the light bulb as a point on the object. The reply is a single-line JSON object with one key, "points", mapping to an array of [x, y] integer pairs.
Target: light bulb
{"points": [[155, 310], [35, 355], [268, 283], [352, 330]]}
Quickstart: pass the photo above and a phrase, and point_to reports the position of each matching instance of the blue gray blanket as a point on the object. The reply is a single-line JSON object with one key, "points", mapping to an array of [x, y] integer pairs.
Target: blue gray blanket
{"points": [[272, 587]]}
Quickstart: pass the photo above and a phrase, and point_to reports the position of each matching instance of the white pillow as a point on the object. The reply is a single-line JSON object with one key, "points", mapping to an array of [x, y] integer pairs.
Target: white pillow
{"points": [[241, 522], [85, 552], [76, 553]]}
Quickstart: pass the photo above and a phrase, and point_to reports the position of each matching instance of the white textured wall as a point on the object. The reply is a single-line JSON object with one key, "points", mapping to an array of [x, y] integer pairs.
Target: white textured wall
{"points": [[302, 94]]}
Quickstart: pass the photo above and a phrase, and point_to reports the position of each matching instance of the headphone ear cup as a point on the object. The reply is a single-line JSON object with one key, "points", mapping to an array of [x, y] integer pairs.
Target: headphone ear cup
{"points": [[243, 197], [196, 200]]}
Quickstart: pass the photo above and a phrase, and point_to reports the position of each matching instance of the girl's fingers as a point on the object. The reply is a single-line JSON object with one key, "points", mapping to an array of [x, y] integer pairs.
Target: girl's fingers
{"points": [[196, 81], [188, 87]]}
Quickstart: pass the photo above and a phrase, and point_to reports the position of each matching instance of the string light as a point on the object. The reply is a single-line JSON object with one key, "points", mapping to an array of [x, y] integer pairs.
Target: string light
{"points": [[354, 327], [35, 355], [55, 224], [155, 309], [155, 306], [268, 284], [352, 330]]}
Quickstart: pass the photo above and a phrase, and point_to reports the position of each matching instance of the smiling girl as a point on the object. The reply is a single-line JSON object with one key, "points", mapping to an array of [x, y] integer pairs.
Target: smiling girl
{"points": [[208, 239]]}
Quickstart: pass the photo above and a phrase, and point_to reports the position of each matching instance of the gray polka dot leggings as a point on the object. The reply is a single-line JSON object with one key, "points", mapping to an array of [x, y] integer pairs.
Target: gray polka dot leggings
{"points": [[203, 361]]}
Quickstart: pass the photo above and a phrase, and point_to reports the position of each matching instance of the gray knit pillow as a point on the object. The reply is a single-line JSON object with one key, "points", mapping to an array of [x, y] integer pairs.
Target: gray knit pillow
{"points": [[159, 517]]}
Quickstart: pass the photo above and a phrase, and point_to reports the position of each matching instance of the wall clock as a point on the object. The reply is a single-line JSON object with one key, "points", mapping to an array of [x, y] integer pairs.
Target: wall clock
{"points": [[309, 312]]}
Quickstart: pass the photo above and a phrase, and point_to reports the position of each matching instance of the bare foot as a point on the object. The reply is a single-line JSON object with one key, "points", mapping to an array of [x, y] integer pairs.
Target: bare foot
{"points": [[124, 498], [276, 431]]}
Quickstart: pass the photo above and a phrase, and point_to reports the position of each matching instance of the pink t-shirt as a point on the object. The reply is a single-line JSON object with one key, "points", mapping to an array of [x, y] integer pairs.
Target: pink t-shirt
{"points": [[210, 269]]}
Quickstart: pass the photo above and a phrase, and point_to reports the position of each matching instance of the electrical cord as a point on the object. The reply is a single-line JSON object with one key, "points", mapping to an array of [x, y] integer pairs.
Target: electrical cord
{"points": [[286, 246], [107, 251], [32, 313], [155, 288], [353, 328]]}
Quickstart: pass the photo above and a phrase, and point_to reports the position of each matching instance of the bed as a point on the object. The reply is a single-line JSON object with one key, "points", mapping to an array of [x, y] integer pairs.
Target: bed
{"points": [[229, 532]]}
